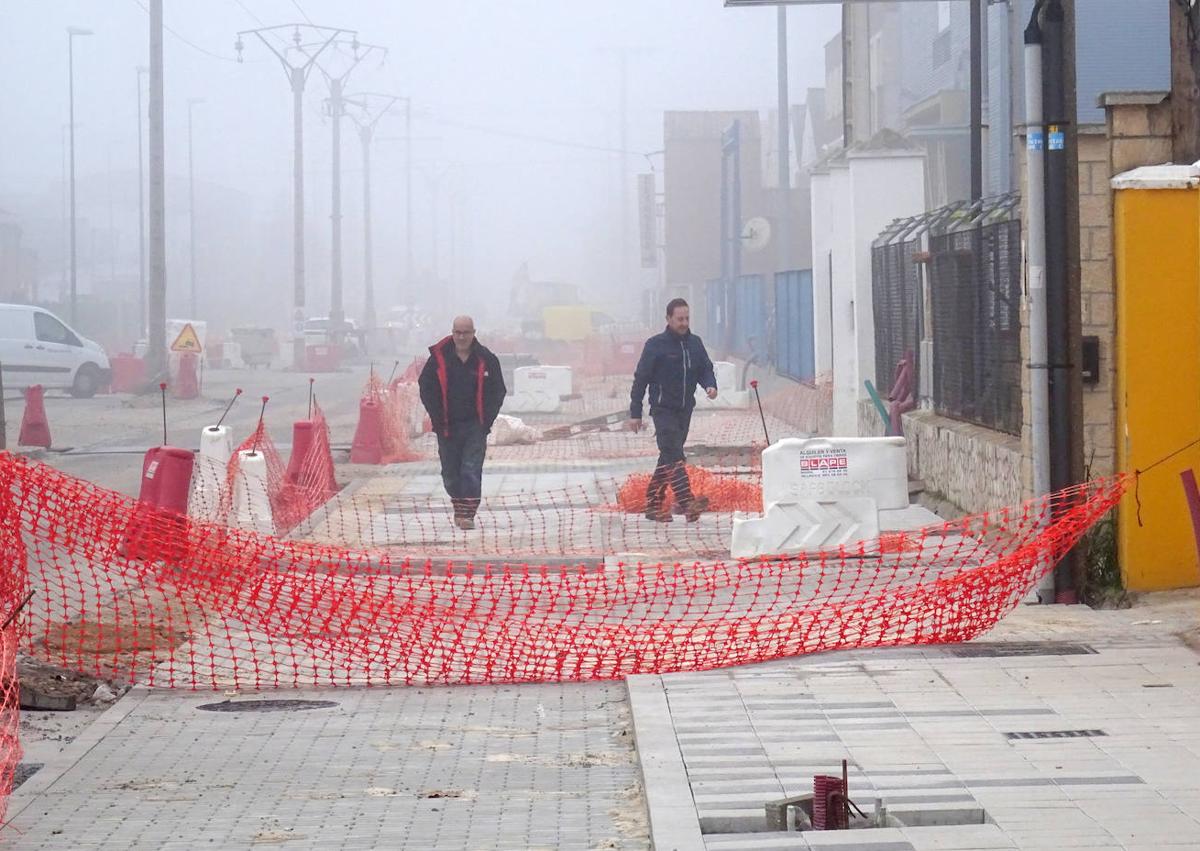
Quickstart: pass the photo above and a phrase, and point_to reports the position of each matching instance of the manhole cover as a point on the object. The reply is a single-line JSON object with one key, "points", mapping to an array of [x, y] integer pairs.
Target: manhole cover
{"points": [[1021, 648], [267, 705], [1057, 734]]}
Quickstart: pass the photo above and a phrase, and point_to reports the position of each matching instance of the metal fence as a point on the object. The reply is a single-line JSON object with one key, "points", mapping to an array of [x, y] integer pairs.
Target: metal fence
{"points": [[975, 302], [897, 302], [966, 259]]}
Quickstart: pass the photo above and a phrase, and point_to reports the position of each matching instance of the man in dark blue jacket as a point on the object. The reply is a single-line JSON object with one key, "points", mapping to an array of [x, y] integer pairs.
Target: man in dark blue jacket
{"points": [[671, 365], [462, 390]]}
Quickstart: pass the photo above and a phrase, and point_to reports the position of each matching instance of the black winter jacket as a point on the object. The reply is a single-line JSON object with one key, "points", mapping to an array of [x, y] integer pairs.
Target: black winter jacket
{"points": [[670, 366], [434, 385]]}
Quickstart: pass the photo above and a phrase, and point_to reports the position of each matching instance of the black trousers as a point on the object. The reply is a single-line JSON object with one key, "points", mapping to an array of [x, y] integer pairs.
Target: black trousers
{"points": [[670, 432], [462, 455]]}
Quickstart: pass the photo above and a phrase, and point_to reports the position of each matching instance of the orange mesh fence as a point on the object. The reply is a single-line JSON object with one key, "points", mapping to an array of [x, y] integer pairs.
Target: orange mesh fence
{"points": [[398, 404], [724, 493], [211, 606]]}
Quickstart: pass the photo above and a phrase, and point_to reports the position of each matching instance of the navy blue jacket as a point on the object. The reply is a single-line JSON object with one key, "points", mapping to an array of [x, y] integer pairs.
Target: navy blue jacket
{"points": [[671, 366]]}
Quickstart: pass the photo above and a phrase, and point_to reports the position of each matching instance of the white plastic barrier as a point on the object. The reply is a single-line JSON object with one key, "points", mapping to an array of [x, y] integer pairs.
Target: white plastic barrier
{"points": [[837, 467], [540, 402], [806, 526], [251, 499], [728, 396], [823, 493], [216, 448], [555, 380]]}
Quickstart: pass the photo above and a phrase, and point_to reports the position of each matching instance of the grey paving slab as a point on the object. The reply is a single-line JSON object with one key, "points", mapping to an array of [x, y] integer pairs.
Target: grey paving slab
{"points": [[472, 767], [927, 732]]}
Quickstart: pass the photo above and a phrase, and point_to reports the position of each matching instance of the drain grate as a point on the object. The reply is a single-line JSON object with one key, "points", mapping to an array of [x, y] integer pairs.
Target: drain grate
{"points": [[267, 705], [1057, 734], [1021, 648]]}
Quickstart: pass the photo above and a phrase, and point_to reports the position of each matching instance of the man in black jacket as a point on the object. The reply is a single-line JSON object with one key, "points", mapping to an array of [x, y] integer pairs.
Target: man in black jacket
{"points": [[462, 389], [671, 365]]}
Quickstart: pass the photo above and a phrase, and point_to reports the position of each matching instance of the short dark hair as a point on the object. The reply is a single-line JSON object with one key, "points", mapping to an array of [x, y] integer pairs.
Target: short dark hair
{"points": [[674, 303]]}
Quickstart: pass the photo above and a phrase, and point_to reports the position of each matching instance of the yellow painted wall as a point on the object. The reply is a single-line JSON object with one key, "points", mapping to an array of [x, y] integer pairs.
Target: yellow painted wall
{"points": [[1157, 254]]}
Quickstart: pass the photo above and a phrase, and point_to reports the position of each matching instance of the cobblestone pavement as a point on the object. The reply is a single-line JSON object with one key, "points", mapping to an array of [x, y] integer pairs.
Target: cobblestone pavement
{"points": [[531, 767], [1081, 733]]}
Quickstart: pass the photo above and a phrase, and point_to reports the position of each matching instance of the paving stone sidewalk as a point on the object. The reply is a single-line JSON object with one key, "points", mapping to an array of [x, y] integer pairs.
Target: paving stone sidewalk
{"points": [[480, 767], [1081, 733]]}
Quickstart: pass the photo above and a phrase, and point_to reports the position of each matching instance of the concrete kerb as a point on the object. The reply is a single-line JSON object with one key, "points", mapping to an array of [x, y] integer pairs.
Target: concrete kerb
{"points": [[674, 825], [54, 769]]}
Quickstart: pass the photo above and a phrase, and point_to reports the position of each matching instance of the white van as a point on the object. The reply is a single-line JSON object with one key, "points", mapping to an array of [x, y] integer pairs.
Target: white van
{"points": [[36, 347]]}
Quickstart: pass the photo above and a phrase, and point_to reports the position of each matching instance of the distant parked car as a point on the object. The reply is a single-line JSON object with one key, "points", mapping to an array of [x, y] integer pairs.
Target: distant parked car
{"points": [[36, 347]]}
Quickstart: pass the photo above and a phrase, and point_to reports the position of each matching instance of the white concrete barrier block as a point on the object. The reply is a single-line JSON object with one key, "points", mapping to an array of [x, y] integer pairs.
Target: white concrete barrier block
{"points": [[728, 396], [554, 380], [251, 498], [806, 526], [837, 468], [539, 402]]}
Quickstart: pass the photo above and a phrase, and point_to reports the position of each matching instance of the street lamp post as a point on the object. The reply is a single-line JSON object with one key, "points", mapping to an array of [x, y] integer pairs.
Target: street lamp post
{"points": [[192, 102], [71, 33], [142, 70]]}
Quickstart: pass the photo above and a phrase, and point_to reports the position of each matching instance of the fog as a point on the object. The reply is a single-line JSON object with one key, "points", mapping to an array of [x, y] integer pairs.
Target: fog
{"points": [[517, 126]]}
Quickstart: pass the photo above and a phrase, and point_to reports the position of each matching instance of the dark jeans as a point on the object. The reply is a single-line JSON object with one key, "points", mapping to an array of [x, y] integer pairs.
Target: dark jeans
{"points": [[462, 466], [670, 431]]}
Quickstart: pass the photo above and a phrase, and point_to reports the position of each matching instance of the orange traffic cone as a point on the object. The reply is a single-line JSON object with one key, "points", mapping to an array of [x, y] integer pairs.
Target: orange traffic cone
{"points": [[35, 428], [368, 437]]}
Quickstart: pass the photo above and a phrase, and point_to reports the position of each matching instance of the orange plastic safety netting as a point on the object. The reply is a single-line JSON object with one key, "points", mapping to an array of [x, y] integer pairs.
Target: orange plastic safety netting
{"points": [[210, 606]]}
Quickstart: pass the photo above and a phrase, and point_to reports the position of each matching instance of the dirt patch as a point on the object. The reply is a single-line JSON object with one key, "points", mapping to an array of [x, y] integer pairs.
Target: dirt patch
{"points": [[104, 639], [53, 681]]}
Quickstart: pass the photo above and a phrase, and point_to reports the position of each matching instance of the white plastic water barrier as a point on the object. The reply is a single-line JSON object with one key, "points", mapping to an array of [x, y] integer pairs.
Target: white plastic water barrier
{"points": [[554, 380], [728, 396], [806, 526], [836, 467], [251, 499], [216, 448]]}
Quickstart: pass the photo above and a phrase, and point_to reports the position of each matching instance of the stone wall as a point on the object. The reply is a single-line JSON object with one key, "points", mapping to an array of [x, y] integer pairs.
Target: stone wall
{"points": [[968, 467]]}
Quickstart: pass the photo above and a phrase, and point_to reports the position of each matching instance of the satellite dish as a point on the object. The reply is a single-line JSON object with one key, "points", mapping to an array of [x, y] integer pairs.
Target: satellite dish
{"points": [[756, 235]]}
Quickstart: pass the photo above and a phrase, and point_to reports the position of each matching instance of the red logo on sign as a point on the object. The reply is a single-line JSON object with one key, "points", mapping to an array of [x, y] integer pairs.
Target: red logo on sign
{"points": [[827, 462]]}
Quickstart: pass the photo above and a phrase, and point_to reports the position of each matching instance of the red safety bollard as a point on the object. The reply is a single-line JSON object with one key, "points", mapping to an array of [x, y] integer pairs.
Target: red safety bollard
{"points": [[368, 437], [303, 432], [187, 386], [35, 428], [156, 531]]}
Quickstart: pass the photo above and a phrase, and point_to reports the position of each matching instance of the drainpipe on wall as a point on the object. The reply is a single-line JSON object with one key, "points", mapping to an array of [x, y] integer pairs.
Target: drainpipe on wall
{"points": [[1057, 296], [1035, 199]]}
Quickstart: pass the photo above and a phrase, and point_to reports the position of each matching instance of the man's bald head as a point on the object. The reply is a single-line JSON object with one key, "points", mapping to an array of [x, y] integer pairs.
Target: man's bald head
{"points": [[463, 332]]}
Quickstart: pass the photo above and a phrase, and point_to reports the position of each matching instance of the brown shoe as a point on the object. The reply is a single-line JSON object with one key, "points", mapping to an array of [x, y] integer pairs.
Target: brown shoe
{"points": [[695, 508], [658, 515], [466, 523]]}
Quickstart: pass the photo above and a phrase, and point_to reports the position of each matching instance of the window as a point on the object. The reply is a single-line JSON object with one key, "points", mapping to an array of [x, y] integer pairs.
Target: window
{"points": [[50, 330], [943, 13]]}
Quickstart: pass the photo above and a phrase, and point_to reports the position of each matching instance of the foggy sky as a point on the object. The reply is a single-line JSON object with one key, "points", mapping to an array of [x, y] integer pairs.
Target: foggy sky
{"points": [[538, 68]]}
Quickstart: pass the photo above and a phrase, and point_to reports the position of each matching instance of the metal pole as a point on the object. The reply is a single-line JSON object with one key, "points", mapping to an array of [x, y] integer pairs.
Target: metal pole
{"points": [[1035, 195], [191, 214], [626, 284], [408, 200], [977, 99], [141, 211], [368, 258], [784, 228], [157, 303], [71, 125], [298, 78], [336, 313]]}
